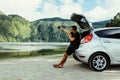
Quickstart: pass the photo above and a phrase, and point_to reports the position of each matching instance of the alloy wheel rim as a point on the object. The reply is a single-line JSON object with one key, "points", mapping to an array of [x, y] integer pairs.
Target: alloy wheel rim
{"points": [[99, 62]]}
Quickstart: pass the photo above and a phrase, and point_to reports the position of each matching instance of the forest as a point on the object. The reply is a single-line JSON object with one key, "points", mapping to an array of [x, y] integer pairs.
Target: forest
{"points": [[14, 28]]}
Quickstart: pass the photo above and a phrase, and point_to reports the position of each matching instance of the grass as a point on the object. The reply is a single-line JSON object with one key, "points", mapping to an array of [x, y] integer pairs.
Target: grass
{"points": [[48, 52], [42, 52], [5, 49]]}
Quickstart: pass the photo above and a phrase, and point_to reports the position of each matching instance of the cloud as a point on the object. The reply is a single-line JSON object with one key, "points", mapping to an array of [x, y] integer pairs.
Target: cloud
{"points": [[104, 11], [24, 8], [48, 10], [66, 1], [113, 6], [113, 3], [64, 9], [37, 9], [98, 14], [67, 9]]}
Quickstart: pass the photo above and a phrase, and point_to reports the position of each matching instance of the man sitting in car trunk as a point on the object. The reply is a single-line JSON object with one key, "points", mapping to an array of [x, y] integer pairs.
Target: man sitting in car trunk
{"points": [[74, 37]]}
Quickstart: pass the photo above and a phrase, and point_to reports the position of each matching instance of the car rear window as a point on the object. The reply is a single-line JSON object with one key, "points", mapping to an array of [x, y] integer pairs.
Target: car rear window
{"points": [[109, 33]]}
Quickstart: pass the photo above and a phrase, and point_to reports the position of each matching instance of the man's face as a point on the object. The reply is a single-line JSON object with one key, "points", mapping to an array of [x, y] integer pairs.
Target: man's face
{"points": [[71, 29]]}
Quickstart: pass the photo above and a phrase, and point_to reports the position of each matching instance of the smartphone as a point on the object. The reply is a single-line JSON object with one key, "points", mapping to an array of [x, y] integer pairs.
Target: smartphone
{"points": [[58, 27]]}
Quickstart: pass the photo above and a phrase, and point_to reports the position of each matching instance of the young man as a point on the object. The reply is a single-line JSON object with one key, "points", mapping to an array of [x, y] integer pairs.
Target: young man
{"points": [[74, 37]]}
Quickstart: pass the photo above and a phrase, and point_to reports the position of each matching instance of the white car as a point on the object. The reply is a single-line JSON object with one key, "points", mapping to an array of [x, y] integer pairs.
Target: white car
{"points": [[99, 48]]}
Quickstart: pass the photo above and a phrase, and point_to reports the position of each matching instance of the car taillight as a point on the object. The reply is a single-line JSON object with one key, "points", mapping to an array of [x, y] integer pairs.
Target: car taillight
{"points": [[87, 38]]}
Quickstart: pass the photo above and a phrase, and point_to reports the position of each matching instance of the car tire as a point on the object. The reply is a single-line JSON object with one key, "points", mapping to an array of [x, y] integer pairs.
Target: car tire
{"points": [[99, 62]]}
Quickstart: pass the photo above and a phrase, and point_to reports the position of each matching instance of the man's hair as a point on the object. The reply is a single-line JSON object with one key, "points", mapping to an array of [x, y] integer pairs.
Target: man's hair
{"points": [[74, 27]]}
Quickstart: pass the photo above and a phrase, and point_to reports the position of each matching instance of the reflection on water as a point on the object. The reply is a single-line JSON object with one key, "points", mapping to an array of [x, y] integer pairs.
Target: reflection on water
{"points": [[19, 47]]}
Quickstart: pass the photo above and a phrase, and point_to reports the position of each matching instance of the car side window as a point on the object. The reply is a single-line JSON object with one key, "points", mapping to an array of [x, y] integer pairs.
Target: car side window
{"points": [[109, 33]]}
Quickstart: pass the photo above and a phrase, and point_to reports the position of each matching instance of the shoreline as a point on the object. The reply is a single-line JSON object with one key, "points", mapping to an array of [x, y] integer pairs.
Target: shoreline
{"points": [[28, 47], [42, 52]]}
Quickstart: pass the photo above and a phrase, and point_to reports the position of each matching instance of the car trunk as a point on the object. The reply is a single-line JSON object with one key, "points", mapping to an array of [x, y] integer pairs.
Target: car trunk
{"points": [[82, 22]]}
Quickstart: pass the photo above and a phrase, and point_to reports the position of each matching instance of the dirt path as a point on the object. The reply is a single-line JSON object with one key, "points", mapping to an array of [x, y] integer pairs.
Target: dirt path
{"points": [[40, 68]]}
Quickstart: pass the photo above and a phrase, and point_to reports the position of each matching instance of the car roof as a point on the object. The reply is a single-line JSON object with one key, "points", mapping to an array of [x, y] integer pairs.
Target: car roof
{"points": [[99, 29]]}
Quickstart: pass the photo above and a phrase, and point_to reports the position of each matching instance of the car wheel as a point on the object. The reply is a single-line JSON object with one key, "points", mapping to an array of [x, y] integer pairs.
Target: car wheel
{"points": [[99, 62]]}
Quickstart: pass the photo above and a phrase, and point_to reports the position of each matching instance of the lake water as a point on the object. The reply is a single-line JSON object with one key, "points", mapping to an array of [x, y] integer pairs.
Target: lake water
{"points": [[29, 46]]}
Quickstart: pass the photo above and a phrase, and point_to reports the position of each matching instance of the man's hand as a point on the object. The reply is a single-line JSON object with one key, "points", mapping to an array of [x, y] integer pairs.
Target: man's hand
{"points": [[68, 32]]}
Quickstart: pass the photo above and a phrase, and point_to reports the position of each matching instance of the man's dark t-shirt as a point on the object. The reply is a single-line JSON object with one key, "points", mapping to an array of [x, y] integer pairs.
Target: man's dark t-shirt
{"points": [[76, 42], [73, 44]]}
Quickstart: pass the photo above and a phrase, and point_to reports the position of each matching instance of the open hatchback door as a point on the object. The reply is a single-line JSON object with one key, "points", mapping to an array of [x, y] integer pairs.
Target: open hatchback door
{"points": [[82, 22]]}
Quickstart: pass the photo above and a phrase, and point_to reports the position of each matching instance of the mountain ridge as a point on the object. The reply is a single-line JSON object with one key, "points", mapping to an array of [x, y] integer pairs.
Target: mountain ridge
{"points": [[100, 24], [53, 19], [14, 28]]}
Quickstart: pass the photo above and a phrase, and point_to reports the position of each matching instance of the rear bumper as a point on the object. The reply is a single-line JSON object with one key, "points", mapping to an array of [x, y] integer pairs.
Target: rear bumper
{"points": [[83, 53], [75, 57]]}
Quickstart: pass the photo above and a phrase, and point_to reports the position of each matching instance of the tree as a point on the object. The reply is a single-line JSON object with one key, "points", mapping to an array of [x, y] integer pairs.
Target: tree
{"points": [[115, 22]]}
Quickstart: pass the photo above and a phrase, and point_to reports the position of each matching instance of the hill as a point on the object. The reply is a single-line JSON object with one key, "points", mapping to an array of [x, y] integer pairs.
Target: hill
{"points": [[14, 28], [47, 29], [100, 24], [54, 19], [115, 22]]}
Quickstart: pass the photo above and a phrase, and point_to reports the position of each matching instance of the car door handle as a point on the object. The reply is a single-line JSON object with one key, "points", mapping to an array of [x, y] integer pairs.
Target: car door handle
{"points": [[107, 41]]}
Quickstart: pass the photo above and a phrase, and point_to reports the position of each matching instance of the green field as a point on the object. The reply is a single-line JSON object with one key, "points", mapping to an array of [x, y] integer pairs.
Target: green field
{"points": [[42, 52]]}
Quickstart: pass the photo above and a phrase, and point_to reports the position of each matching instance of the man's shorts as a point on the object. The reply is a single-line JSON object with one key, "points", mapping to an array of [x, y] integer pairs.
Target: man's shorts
{"points": [[71, 49]]}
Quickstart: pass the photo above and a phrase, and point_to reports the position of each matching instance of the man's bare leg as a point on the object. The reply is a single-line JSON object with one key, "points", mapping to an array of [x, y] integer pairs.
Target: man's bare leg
{"points": [[60, 65]]}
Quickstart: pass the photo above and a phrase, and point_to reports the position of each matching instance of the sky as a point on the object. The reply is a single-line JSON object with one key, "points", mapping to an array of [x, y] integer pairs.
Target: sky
{"points": [[94, 10]]}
